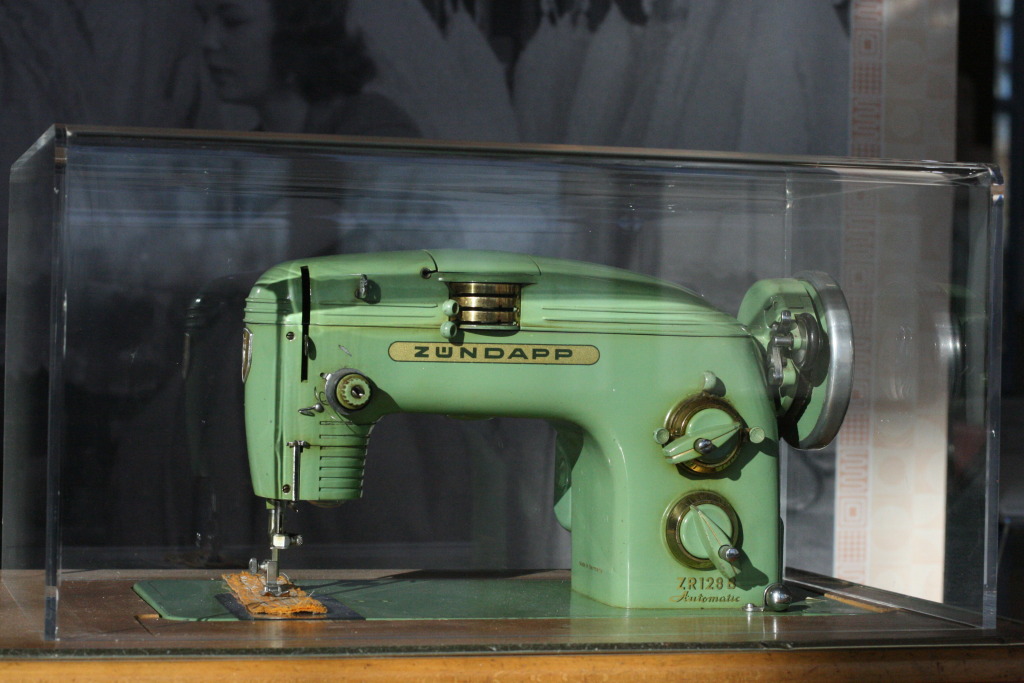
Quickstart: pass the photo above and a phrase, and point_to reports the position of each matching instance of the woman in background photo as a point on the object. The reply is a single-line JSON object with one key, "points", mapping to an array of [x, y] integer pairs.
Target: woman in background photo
{"points": [[297, 64]]}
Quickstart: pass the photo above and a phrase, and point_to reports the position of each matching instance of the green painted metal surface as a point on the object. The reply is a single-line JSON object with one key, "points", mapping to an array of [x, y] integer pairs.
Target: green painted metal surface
{"points": [[636, 374]]}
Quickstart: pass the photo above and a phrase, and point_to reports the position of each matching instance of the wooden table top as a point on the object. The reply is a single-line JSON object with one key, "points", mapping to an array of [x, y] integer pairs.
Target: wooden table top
{"points": [[107, 631]]}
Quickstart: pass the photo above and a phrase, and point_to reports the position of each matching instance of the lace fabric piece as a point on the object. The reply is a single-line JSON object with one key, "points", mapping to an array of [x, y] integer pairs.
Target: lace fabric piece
{"points": [[251, 593]]}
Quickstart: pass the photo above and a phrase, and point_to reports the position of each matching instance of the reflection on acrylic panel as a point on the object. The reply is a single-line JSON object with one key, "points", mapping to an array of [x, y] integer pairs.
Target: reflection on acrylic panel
{"points": [[233, 213]]}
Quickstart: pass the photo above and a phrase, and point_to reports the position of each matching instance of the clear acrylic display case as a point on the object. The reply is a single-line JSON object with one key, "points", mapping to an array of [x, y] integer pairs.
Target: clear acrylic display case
{"points": [[131, 253]]}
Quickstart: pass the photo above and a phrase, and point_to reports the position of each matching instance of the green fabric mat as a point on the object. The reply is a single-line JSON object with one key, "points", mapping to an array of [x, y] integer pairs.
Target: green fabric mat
{"points": [[433, 598]]}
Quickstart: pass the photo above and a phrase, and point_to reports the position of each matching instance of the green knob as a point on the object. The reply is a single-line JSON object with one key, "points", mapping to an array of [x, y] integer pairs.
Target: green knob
{"points": [[450, 308]]}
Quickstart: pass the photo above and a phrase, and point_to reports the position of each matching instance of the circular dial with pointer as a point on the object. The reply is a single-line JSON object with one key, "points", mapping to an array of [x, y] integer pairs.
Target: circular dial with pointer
{"points": [[704, 434], [703, 532]]}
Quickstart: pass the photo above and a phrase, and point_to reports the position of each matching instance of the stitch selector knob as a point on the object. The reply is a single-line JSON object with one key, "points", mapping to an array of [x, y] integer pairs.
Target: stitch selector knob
{"points": [[703, 532], [702, 435]]}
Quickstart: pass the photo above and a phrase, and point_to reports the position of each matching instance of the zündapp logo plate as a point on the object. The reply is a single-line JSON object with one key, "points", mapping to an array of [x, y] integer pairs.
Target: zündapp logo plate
{"points": [[530, 354]]}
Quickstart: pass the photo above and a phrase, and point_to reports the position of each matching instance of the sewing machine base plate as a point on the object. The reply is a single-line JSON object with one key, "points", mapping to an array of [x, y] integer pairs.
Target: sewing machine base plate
{"points": [[399, 598]]}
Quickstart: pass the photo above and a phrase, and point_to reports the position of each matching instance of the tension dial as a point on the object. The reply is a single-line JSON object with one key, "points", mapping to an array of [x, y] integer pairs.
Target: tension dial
{"points": [[347, 390]]}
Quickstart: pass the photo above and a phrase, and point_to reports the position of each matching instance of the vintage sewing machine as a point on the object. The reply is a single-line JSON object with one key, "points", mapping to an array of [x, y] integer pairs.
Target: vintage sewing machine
{"points": [[668, 412]]}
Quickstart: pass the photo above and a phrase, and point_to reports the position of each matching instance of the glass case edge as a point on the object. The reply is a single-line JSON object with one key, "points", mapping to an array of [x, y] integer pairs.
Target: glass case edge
{"points": [[879, 597], [55, 417], [997, 245], [808, 162]]}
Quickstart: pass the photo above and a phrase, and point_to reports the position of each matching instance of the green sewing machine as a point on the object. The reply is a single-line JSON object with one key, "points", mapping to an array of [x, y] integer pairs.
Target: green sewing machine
{"points": [[668, 411]]}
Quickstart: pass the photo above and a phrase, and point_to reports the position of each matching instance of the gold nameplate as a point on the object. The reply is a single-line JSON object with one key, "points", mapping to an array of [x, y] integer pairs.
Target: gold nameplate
{"points": [[536, 354]]}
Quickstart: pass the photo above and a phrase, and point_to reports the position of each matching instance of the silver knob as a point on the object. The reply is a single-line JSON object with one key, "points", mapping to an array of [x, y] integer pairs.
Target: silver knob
{"points": [[704, 446], [777, 597], [729, 553]]}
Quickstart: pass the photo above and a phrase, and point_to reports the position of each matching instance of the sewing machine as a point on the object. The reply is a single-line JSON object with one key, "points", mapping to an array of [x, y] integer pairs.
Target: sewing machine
{"points": [[668, 411]]}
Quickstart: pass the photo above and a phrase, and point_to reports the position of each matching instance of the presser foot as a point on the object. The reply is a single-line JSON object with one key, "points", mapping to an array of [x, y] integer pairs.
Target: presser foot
{"points": [[269, 571], [275, 583]]}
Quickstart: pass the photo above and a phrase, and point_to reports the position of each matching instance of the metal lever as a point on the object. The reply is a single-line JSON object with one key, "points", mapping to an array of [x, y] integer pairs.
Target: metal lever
{"points": [[701, 443], [717, 545], [297, 447], [780, 346]]}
